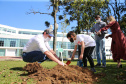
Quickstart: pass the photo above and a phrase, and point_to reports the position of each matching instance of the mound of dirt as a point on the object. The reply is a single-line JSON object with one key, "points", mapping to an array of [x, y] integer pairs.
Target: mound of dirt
{"points": [[59, 74], [32, 67]]}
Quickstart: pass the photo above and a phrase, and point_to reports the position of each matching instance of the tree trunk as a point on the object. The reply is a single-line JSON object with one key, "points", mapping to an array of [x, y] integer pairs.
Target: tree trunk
{"points": [[55, 29]]}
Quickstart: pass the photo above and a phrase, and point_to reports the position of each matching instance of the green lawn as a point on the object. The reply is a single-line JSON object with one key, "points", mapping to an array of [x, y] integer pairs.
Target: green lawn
{"points": [[11, 71]]}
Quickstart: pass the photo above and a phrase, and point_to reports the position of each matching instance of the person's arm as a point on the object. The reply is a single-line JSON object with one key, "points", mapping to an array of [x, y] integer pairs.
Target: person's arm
{"points": [[54, 54], [82, 49], [106, 27], [52, 57], [108, 36], [48, 47], [44, 49], [75, 48], [104, 32]]}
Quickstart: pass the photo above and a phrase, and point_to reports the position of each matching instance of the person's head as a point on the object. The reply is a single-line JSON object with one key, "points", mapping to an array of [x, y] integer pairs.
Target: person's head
{"points": [[97, 18], [110, 19], [71, 36], [48, 33]]}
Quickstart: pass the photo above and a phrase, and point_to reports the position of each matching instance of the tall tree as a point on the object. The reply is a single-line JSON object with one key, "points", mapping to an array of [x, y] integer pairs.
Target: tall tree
{"points": [[54, 4], [118, 8], [55, 9], [83, 11], [123, 24], [63, 28]]}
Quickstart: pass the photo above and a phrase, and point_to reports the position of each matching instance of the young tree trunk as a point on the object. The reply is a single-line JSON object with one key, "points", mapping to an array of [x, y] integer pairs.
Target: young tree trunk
{"points": [[55, 29]]}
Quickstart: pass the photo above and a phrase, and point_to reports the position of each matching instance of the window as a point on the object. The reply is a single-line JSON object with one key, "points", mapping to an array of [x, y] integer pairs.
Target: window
{"points": [[5, 29], [1, 43], [12, 43], [23, 42], [13, 31]]}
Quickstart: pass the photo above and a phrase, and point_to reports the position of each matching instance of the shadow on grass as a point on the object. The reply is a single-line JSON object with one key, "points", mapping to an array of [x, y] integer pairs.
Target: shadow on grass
{"points": [[113, 75], [24, 74], [20, 69], [109, 60], [17, 68]]}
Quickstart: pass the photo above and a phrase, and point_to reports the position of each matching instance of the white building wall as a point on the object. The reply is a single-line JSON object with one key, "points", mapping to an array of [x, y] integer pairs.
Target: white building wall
{"points": [[61, 39]]}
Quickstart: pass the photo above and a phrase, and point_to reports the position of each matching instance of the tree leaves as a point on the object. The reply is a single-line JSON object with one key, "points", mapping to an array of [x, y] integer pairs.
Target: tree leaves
{"points": [[60, 17], [47, 23]]}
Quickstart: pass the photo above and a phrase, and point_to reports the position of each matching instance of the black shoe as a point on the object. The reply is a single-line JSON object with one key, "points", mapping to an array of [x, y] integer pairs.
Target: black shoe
{"points": [[93, 69], [85, 66], [103, 65], [98, 65], [120, 66]]}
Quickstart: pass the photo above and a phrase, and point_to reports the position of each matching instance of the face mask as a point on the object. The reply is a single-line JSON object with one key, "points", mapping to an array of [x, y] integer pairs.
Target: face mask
{"points": [[97, 21], [71, 40], [47, 39]]}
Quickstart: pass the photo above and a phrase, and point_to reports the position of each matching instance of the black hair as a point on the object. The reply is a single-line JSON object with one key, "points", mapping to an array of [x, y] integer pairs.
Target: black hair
{"points": [[70, 33], [46, 31]]}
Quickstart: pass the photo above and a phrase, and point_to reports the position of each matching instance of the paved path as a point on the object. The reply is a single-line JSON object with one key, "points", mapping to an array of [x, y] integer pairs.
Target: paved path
{"points": [[3, 58]]}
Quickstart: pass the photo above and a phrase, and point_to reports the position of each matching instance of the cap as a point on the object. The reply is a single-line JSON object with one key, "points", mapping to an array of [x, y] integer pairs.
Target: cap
{"points": [[49, 31], [97, 16]]}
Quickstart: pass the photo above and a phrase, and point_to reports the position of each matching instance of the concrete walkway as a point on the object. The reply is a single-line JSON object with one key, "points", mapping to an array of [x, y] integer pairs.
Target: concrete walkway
{"points": [[9, 58]]}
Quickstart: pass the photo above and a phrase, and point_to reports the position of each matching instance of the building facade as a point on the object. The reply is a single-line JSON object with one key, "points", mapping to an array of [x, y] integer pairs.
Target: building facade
{"points": [[12, 41]]}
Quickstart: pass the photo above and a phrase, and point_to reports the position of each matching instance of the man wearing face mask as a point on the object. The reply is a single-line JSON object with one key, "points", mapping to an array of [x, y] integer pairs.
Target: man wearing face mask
{"points": [[38, 50], [100, 41]]}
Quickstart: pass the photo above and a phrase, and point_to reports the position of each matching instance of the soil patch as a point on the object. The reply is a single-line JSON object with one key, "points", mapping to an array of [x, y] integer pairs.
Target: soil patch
{"points": [[59, 74]]}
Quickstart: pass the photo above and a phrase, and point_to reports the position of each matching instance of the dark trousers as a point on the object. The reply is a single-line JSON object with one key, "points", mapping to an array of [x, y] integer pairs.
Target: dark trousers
{"points": [[34, 56], [87, 55]]}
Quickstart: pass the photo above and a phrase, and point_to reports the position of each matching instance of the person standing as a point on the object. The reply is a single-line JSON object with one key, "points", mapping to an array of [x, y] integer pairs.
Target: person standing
{"points": [[38, 50], [87, 44], [100, 41], [118, 44]]}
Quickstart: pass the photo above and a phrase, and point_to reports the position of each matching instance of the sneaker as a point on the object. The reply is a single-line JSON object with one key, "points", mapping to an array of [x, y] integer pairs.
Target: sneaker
{"points": [[93, 69], [103, 65], [98, 65]]}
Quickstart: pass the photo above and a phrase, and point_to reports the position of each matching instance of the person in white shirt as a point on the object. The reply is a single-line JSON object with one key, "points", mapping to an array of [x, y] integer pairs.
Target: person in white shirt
{"points": [[87, 44], [38, 50]]}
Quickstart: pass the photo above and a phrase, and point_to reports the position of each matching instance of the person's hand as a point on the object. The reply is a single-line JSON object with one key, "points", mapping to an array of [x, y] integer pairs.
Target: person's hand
{"points": [[62, 64], [72, 57], [106, 37], [81, 56], [98, 33]]}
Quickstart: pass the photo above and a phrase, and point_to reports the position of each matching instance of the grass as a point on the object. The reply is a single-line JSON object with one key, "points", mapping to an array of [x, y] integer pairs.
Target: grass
{"points": [[11, 71]]}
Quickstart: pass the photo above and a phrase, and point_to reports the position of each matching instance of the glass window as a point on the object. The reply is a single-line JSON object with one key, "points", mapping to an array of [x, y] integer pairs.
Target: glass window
{"points": [[12, 43], [8, 30], [0, 28], [70, 45], [5, 29], [51, 44], [1, 43], [23, 42], [13, 31]]}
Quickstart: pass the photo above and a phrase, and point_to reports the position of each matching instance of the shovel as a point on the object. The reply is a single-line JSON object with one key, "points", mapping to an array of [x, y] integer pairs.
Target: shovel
{"points": [[68, 62]]}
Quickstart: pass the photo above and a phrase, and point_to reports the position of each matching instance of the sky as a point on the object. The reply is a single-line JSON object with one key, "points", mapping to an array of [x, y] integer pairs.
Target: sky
{"points": [[14, 13]]}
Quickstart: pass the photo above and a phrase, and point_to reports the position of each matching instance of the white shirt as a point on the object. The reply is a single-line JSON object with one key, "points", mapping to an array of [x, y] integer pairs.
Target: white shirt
{"points": [[88, 40], [37, 43]]}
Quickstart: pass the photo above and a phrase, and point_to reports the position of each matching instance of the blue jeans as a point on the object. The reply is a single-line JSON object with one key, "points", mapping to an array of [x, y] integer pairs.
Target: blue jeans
{"points": [[100, 46], [34, 56]]}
